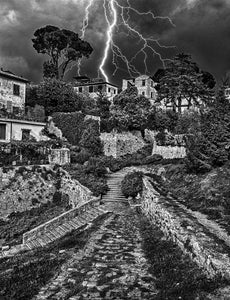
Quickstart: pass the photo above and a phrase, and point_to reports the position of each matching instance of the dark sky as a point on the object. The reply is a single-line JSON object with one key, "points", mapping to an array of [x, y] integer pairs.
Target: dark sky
{"points": [[202, 28]]}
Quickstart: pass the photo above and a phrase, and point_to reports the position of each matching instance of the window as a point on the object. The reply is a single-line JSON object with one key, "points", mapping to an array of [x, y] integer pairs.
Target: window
{"points": [[16, 90], [80, 90], [100, 87], [25, 134], [143, 93], [109, 90], [15, 110], [91, 89], [2, 131], [143, 82], [152, 94]]}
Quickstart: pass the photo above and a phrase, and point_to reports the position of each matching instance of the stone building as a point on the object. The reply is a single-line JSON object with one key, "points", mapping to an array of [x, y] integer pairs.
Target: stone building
{"points": [[12, 91], [144, 84], [84, 84], [13, 129]]}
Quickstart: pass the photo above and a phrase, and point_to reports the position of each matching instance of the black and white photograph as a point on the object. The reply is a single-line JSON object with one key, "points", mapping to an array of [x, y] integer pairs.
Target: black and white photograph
{"points": [[114, 149]]}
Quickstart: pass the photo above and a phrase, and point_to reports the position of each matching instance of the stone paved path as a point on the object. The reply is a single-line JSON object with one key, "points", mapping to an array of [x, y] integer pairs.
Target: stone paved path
{"points": [[112, 265]]}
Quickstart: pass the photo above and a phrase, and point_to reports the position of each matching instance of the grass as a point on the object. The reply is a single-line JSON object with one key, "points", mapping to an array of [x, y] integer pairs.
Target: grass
{"points": [[177, 277], [11, 231], [22, 276]]}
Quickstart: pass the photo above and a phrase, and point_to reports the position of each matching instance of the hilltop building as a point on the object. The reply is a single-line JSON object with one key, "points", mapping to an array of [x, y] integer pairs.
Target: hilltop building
{"points": [[12, 91], [12, 103], [144, 84], [84, 84]]}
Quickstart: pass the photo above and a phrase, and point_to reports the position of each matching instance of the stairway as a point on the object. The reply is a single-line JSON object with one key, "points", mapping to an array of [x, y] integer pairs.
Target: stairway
{"points": [[114, 195], [60, 231], [114, 183]]}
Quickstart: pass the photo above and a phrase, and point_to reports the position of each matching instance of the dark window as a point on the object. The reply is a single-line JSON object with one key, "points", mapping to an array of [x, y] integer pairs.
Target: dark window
{"points": [[15, 110], [109, 90], [2, 131], [80, 89], [143, 93], [100, 87], [25, 134], [143, 82], [91, 89], [16, 89]]}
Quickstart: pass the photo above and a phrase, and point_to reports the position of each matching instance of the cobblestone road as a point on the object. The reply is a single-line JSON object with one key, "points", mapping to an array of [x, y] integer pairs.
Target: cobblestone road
{"points": [[111, 266]]}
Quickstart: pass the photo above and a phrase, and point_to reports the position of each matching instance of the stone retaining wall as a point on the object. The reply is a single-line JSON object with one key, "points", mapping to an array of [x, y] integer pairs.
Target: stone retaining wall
{"points": [[76, 192], [169, 151], [119, 144], [67, 216], [59, 157], [20, 193], [210, 253]]}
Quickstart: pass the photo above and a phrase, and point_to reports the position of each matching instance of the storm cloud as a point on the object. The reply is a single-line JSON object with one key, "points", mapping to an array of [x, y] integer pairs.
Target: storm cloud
{"points": [[202, 28]]}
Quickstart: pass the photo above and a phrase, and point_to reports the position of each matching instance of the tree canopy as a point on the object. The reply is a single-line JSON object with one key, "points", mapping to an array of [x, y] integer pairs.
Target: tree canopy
{"points": [[209, 146], [183, 80], [130, 111], [58, 96], [62, 46]]}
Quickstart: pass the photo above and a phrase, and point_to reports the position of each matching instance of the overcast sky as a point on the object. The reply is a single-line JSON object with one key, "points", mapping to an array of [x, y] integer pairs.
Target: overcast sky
{"points": [[202, 28]]}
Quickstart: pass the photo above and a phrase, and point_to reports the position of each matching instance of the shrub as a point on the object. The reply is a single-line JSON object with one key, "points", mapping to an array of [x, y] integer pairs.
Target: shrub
{"points": [[132, 184], [96, 166], [79, 158]]}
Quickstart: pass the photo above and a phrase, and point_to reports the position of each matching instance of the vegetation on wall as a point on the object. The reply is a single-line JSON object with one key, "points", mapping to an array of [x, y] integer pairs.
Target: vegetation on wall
{"points": [[90, 139], [27, 152], [71, 125]]}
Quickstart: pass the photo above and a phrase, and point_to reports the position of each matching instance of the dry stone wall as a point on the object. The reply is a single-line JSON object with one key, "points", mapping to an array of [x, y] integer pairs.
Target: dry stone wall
{"points": [[119, 144], [59, 157], [52, 224], [169, 151], [29, 189], [178, 225]]}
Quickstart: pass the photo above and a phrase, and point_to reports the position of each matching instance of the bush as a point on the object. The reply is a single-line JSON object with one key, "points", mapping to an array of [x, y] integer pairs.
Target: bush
{"points": [[132, 184], [93, 179], [96, 166], [79, 158]]}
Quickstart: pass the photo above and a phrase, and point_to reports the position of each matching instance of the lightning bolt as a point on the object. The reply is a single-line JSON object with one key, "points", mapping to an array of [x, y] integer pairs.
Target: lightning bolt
{"points": [[111, 27], [85, 25], [118, 18], [148, 43]]}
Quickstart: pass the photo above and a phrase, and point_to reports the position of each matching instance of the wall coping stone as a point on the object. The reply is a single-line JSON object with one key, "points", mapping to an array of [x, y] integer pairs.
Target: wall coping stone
{"points": [[33, 233]]}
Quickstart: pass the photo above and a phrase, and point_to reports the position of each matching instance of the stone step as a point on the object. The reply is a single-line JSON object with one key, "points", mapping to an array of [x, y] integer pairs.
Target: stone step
{"points": [[67, 226]]}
